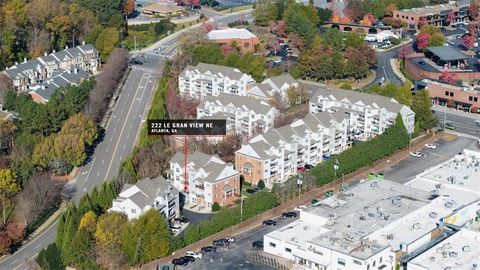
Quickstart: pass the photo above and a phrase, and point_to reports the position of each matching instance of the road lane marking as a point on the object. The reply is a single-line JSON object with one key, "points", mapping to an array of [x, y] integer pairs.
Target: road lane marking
{"points": [[108, 149], [437, 155], [14, 261], [103, 161], [37, 246]]}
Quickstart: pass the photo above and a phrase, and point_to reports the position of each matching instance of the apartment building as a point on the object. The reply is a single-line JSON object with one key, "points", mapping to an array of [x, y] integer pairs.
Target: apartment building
{"points": [[32, 74], [146, 194], [369, 115], [439, 15], [278, 84], [209, 179], [455, 96], [240, 37], [211, 80], [282, 152], [245, 116]]}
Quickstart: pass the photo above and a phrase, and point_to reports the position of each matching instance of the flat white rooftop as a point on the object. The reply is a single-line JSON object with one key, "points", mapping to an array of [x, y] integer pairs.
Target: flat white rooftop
{"points": [[462, 172], [459, 195], [461, 251], [298, 232], [231, 33]]}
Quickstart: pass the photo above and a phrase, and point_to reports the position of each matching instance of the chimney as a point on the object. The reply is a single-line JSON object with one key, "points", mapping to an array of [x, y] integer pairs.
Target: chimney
{"points": [[24, 60], [69, 71], [53, 51], [83, 42], [16, 63], [45, 54], [43, 86], [75, 70], [66, 47]]}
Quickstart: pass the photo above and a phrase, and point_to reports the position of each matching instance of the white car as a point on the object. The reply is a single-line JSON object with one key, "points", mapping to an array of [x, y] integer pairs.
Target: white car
{"points": [[196, 255], [430, 145], [300, 208], [416, 154], [230, 239]]}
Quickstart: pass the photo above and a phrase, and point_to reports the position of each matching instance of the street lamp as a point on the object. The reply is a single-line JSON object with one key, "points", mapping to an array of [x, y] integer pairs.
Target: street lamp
{"points": [[299, 185], [335, 168]]}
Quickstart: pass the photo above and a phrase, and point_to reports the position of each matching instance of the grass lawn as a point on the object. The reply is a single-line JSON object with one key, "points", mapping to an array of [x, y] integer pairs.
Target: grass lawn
{"points": [[237, 8]]}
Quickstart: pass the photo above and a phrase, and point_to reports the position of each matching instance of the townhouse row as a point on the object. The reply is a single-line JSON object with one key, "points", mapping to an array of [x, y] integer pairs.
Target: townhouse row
{"points": [[41, 76]]}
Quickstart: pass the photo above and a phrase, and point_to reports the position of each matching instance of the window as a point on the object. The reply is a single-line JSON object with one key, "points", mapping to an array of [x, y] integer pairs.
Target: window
{"points": [[272, 244], [475, 99], [451, 94], [246, 45], [341, 261], [380, 260], [470, 98], [288, 250], [133, 211], [373, 264], [357, 262], [446, 93]]}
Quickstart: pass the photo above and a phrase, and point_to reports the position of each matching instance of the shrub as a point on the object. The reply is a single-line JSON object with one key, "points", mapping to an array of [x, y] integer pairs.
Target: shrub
{"points": [[394, 138], [346, 86], [261, 184], [215, 207]]}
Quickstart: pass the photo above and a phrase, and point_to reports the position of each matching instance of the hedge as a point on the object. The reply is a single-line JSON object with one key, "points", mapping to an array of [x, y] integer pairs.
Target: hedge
{"points": [[395, 137], [252, 206]]}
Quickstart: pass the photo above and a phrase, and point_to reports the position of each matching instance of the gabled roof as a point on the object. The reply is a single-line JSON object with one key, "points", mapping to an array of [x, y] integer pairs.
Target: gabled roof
{"points": [[281, 80], [232, 33], [244, 103], [144, 192], [217, 70]]}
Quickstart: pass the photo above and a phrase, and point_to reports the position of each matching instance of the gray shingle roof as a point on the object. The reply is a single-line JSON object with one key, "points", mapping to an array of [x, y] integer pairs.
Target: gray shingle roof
{"points": [[249, 103], [202, 68], [148, 190], [280, 80], [447, 53]]}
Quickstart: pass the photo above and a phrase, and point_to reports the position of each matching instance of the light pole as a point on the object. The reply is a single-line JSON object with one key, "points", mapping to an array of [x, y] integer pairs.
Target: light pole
{"points": [[299, 185], [335, 168], [241, 209]]}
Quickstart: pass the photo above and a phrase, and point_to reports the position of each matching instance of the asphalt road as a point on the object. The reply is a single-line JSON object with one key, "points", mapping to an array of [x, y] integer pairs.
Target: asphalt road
{"points": [[462, 124], [234, 257], [119, 140], [384, 69]]}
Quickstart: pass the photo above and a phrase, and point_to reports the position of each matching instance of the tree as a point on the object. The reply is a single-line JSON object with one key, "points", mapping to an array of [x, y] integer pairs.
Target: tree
{"points": [[264, 12], [147, 238], [50, 258], [40, 194], [324, 14], [437, 39], [261, 185], [423, 113], [355, 40], [473, 29], [128, 7], [448, 77], [70, 148], [389, 9], [108, 238], [468, 41], [423, 41], [215, 207], [368, 19], [301, 26], [210, 53], [82, 250], [473, 11], [354, 10], [88, 221], [404, 94], [7, 130], [8, 188], [106, 41], [43, 152], [82, 126]]}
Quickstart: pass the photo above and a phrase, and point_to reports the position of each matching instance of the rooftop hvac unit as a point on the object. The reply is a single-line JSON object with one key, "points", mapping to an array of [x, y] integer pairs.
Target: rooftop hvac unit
{"points": [[389, 236], [453, 254], [448, 205], [362, 218], [466, 248]]}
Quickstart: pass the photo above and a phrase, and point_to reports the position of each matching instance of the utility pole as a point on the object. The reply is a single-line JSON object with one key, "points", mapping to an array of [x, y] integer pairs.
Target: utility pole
{"points": [[241, 209], [135, 42], [299, 185], [335, 168]]}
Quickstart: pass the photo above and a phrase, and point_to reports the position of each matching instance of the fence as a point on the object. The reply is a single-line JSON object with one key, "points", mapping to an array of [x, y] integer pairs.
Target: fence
{"points": [[269, 260]]}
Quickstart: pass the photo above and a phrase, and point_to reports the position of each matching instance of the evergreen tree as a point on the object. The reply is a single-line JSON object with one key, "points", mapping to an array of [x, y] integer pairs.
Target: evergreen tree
{"points": [[50, 258], [422, 106]]}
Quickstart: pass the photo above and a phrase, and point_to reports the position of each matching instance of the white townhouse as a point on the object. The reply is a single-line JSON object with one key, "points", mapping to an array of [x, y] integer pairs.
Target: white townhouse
{"points": [[156, 193], [207, 79], [32, 74], [209, 179], [245, 116], [282, 152], [270, 86], [369, 114]]}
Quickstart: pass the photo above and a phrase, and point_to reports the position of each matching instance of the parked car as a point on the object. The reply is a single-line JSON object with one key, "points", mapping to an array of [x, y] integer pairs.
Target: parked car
{"points": [[289, 214], [230, 239], [253, 190], [430, 145], [182, 220], [221, 242], [257, 244], [314, 201], [450, 126], [196, 255], [269, 222], [175, 229], [188, 258], [180, 261], [209, 249], [300, 208], [416, 154], [422, 63], [477, 122], [134, 61]]}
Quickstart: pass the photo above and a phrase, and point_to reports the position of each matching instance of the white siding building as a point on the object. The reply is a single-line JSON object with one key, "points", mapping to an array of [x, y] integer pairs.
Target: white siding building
{"points": [[369, 114], [156, 193], [245, 116], [278, 84], [207, 79]]}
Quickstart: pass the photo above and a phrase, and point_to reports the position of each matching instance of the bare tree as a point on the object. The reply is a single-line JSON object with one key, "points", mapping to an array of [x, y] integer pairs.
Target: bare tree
{"points": [[40, 194], [278, 102], [5, 85], [107, 81]]}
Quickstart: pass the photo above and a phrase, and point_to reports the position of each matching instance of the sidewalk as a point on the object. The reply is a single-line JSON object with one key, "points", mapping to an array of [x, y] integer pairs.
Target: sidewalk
{"points": [[444, 109], [394, 64]]}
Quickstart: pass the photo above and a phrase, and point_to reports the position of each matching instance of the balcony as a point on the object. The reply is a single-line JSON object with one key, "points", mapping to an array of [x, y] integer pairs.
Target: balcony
{"points": [[171, 204], [200, 187]]}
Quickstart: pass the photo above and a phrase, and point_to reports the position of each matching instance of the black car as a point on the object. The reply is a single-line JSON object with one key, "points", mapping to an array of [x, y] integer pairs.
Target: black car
{"points": [[289, 214], [135, 62], [221, 242], [209, 249], [182, 220], [253, 190], [188, 258], [257, 244], [269, 222], [180, 261]]}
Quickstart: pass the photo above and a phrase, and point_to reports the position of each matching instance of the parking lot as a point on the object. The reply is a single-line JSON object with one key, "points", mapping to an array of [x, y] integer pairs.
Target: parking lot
{"points": [[407, 169], [234, 256]]}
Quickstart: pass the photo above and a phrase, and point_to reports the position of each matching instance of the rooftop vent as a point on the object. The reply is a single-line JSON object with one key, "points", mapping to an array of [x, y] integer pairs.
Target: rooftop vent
{"points": [[396, 201], [416, 226], [389, 236], [453, 254], [374, 184], [433, 214], [432, 259], [448, 204], [362, 218], [466, 248]]}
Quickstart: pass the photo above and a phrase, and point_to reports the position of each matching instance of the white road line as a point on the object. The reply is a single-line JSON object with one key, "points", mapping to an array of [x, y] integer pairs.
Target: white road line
{"points": [[14, 261], [98, 173], [106, 151], [37, 246], [103, 161]]}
